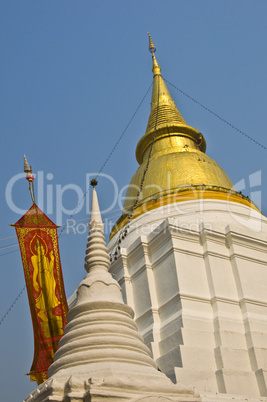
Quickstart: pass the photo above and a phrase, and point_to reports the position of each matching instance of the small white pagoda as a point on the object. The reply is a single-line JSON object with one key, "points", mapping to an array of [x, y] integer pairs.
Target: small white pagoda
{"points": [[101, 356]]}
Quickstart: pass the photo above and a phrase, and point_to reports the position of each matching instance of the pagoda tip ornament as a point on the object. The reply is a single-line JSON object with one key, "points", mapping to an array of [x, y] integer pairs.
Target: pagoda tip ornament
{"points": [[156, 68], [93, 183], [29, 177], [152, 47], [27, 168]]}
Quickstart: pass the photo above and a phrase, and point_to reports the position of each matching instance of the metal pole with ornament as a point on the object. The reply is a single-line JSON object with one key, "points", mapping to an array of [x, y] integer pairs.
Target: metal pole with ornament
{"points": [[29, 177]]}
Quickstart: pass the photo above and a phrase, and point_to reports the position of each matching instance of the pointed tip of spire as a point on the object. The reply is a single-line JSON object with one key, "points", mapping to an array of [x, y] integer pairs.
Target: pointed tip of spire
{"points": [[95, 210], [156, 68], [96, 253], [27, 168], [152, 47]]}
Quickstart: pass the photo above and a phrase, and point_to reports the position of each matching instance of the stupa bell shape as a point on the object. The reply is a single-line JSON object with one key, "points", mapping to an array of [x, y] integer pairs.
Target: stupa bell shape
{"points": [[173, 164], [101, 355]]}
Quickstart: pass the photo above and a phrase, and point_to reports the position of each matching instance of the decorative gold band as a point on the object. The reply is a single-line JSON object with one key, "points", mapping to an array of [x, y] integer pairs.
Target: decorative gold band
{"points": [[183, 195]]}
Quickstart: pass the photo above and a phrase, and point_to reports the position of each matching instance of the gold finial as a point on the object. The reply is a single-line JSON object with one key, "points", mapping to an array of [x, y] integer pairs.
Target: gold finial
{"points": [[152, 48], [156, 68]]}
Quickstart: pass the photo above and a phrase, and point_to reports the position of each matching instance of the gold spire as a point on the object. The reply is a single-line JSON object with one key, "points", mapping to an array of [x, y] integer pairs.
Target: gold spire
{"points": [[156, 68], [164, 117], [152, 47]]}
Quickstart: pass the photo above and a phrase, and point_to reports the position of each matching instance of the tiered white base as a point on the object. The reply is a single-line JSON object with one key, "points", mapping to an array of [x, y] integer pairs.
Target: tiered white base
{"points": [[195, 275]]}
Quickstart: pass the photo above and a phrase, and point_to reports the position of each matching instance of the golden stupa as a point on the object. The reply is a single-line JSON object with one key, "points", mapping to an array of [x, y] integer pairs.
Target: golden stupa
{"points": [[173, 164]]}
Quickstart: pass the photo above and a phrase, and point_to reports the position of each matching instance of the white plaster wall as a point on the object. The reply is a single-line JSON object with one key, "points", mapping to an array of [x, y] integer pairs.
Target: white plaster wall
{"points": [[198, 285]]}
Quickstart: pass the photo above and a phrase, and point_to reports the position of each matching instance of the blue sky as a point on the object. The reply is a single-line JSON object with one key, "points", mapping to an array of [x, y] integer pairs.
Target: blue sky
{"points": [[72, 76]]}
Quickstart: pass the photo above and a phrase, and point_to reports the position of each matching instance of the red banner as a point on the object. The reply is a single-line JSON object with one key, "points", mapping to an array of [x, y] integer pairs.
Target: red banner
{"points": [[37, 236]]}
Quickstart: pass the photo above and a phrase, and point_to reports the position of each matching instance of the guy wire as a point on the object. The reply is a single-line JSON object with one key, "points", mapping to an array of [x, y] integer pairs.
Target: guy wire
{"points": [[111, 152], [101, 169], [216, 115], [123, 234]]}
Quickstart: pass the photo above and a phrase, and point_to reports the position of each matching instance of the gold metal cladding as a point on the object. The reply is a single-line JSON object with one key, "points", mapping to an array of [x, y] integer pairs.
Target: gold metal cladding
{"points": [[176, 162], [185, 194], [174, 133]]}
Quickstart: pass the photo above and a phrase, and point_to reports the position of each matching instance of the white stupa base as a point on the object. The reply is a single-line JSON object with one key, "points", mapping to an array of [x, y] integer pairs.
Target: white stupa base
{"points": [[112, 385], [195, 275]]}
